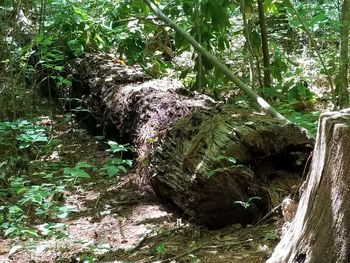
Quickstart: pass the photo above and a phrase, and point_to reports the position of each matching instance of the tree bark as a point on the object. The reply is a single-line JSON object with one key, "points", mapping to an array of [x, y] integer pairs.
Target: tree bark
{"points": [[342, 78], [124, 104], [320, 231]]}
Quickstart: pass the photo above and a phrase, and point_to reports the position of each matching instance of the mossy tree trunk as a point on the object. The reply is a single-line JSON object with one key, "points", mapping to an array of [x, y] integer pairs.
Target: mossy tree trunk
{"points": [[320, 231]]}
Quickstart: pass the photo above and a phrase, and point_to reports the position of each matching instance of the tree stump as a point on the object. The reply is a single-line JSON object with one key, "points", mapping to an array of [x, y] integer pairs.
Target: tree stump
{"points": [[320, 231]]}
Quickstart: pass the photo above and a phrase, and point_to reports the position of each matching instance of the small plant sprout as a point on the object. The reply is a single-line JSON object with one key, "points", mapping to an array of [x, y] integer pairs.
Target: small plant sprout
{"points": [[161, 249], [248, 203]]}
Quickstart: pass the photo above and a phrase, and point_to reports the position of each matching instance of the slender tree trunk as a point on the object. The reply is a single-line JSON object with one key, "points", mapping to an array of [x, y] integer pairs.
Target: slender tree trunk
{"points": [[258, 69], [264, 43], [342, 83], [247, 36], [199, 39], [320, 231]]}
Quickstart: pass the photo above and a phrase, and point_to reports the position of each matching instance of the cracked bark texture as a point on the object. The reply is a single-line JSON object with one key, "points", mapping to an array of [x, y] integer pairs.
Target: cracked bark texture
{"points": [[320, 231]]}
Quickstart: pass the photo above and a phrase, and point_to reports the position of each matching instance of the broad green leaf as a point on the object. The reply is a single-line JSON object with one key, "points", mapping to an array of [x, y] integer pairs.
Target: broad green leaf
{"points": [[67, 170], [122, 168], [76, 47], [29, 231], [84, 165], [80, 173], [64, 211], [111, 170], [11, 230], [15, 209]]}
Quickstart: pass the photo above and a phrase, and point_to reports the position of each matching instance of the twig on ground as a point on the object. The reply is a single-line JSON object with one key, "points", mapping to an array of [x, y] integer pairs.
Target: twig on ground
{"points": [[139, 243], [205, 247], [273, 210]]}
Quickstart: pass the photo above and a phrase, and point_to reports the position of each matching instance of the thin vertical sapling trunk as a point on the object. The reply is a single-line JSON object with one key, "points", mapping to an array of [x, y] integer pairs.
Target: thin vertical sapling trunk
{"points": [[199, 38], [264, 44], [247, 36], [342, 83]]}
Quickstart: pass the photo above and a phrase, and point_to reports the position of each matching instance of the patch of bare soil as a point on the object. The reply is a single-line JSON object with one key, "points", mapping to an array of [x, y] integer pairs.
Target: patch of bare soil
{"points": [[116, 222]]}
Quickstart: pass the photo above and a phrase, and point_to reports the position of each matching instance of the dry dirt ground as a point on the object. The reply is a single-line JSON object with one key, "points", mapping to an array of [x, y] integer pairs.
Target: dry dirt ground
{"points": [[116, 222]]}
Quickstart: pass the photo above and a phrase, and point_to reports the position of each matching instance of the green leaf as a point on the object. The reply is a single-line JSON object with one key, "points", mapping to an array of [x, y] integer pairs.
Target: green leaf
{"points": [[49, 228], [242, 203], [14, 209], [122, 168], [214, 171], [84, 165], [219, 15], [11, 230], [22, 190], [232, 160], [116, 147], [128, 162], [110, 170], [250, 199], [64, 211], [80, 173], [67, 170], [161, 249], [76, 47], [29, 231]]}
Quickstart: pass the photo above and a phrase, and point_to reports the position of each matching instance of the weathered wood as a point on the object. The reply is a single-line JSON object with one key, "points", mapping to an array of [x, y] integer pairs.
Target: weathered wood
{"points": [[320, 231], [205, 157], [126, 105], [209, 161]]}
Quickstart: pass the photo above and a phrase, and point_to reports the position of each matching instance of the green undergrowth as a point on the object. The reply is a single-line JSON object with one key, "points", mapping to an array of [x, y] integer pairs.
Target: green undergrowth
{"points": [[307, 120], [41, 161]]}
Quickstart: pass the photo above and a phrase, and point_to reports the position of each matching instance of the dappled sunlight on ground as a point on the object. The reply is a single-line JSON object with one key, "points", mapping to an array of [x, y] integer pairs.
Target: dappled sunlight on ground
{"points": [[115, 222]]}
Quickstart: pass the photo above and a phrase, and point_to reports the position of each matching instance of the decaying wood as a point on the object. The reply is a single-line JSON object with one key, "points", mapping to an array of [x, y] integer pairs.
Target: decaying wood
{"points": [[211, 161], [126, 105], [320, 231], [216, 162]]}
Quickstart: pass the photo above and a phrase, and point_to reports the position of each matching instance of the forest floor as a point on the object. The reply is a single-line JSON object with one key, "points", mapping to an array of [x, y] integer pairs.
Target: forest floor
{"points": [[111, 220]]}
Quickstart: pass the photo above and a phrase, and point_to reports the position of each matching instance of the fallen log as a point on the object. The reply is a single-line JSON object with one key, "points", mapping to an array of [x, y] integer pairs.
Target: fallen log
{"points": [[215, 162], [211, 163], [320, 231]]}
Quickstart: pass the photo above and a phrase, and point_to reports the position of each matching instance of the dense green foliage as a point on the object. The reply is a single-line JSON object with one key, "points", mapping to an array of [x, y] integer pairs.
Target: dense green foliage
{"points": [[35, 176], [69, 28]]}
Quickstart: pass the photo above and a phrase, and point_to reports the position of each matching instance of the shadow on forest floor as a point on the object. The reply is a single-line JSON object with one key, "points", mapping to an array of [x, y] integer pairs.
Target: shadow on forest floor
{"points": [[115, 222]]}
